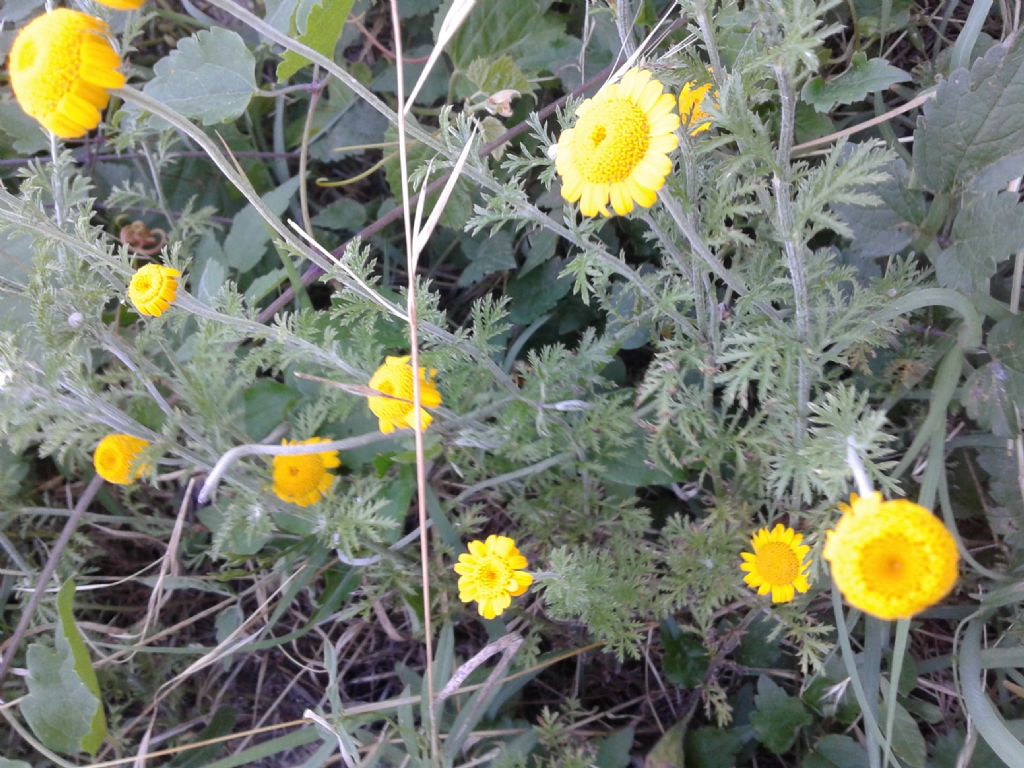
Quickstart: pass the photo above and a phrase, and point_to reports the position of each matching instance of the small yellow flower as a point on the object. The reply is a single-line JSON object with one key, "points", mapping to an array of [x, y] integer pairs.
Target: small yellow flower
{"points": [[777, 564], [394, 378], [691, 106], [489, 574], [122, 5], [304, 479], [62, 69], [116, 459], [153, 289], [618, 149], [891, 559]]}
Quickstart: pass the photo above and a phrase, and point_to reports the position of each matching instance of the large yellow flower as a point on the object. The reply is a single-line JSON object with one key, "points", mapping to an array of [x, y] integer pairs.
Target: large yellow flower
{"points": [[153, 289], [489, 574], [777, 564], [692, 100], [116, 459], [396, 411], [891, 559], [304, 479], [618, 148], [62, 68]]}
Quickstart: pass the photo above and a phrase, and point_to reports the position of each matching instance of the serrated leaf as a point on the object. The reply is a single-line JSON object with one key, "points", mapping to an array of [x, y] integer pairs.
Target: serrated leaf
{"points": [[863, 77], [323, 28], [975, 119], [537, 292], [490, 75], [60, 707], [247, 241], [685, 661], [344, 214], [987, 230], [210, 77], [778, 718]]}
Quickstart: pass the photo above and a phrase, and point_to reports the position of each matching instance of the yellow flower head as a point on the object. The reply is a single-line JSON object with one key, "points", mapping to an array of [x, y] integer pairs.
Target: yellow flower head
{"points": [[394, 378], [304, 479], [777, 564], [891, 559], [116, 459], [62, 68], [618, 148], [153, 289], [692, 99], [122, 5], [489, 574]]}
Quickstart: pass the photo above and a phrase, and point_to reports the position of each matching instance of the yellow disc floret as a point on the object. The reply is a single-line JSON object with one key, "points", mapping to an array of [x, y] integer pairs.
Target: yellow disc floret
{"points": [[62, 67], [396, 411], [489, 574], [153, 289], [122, 5], [618, 149], [777, 564], [116, 459], [891, 559], [303, 479], [692, 100]]}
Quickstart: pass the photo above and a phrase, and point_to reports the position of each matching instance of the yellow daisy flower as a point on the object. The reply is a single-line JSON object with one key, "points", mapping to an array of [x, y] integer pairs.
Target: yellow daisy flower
{"points": [[891, 559], [153, 289], [618, 149], [62, 69], [777, 564], [116, 459], [122, 5], [692, 99], [303, 479], [489, 574], [394, 378]]}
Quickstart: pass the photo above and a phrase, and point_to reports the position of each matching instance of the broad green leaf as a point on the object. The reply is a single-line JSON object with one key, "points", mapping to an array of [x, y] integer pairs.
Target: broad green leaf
{"points": [[863, 77], [835, 751], [345, 214], [686, 659], [1006, 341], [213, 268], [210, 77], [668, 751], [5, 763], [907, 742], [779, 716], [60, 708], [323, 28], [247, 241], [496, 254], [613, 750], [710, 747], [756, 648], [490, 75], [537, 292], [267, 403], [83, 666], [986, 231], [990, 395], [21, 131], [975, 119], [888, 228]]}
